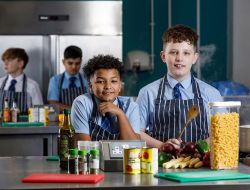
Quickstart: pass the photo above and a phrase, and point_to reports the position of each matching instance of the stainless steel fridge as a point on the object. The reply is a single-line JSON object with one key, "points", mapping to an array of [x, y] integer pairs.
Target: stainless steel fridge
{"points": [[45, 28]]}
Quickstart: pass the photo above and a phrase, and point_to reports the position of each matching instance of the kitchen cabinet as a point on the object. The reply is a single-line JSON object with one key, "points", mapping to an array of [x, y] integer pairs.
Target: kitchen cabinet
{"points": [[29, 141]]}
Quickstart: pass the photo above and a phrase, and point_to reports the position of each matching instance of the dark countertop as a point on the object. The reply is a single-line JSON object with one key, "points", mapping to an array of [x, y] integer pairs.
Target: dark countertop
{"points": [[13, 169]]}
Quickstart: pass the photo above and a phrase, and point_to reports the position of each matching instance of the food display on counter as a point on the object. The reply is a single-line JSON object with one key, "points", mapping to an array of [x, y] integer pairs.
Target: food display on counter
{"points": [[189, 155], [224, 134]]}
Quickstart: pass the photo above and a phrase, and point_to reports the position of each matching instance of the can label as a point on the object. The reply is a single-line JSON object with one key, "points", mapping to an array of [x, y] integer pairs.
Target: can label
{"points": [[132, 160], [149, 160], [33, 115], [44, 114]]}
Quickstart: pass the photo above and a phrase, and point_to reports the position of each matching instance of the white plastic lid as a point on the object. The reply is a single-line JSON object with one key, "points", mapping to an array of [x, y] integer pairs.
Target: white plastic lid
{"points": [[225, 104]]}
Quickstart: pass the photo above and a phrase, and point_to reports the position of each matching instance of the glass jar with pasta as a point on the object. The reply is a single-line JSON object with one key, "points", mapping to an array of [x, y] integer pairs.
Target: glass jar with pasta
{"points": [[224, 134]]}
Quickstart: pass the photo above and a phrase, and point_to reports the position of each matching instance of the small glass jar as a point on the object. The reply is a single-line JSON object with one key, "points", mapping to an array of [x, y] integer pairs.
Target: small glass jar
{"points": [[83, 162], [73, 166], [224, 134], [94, 163], [84, 145]]}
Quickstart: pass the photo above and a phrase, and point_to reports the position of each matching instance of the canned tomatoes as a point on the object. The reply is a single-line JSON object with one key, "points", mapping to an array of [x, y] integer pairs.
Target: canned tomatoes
{"points": [[149, 160], [131, 160]]}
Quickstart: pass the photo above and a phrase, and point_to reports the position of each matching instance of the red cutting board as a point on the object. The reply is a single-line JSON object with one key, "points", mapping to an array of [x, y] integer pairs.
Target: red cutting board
{"points": [[62, 178]]}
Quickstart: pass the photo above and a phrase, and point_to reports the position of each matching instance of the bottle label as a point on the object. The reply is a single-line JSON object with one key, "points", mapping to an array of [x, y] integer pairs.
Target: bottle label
{"points": [[63, 147], [95, 164], [6, 115]]}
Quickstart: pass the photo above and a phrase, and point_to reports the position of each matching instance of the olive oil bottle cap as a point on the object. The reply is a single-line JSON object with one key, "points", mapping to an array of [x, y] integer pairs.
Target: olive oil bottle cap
{"points": [[67, 111]]}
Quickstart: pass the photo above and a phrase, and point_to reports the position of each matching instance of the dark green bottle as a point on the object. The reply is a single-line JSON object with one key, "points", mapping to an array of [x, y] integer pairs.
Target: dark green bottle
{"points": [[66, 140]]}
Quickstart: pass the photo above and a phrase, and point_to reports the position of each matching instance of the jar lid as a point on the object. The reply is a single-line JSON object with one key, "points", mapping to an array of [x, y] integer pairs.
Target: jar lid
{"points": [[73, 151], [94, 152], [225, 104], [82, 152]]}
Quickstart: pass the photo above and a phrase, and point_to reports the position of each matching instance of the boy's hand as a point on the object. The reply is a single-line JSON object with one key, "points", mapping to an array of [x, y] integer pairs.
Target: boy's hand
{"points": [[109, 107], [175, 142]]}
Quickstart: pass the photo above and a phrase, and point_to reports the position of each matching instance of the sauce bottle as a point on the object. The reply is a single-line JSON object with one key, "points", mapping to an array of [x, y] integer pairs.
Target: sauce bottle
{"points": [[14, 112], [6, 111], [66, 140]]}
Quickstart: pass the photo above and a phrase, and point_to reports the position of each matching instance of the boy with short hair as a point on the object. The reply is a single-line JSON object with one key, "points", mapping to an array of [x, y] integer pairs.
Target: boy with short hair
{"points": [[102, 114], [164, 103], [65, 87], [16, 85]]}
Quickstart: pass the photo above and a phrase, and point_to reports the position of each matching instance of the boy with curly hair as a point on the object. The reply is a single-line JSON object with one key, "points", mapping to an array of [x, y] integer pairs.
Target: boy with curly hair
{"points": [[165, 102], [102, 114]]}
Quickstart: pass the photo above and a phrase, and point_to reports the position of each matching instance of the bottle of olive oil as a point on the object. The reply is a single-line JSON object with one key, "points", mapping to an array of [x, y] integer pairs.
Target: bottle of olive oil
{"points": [[66, 140]]}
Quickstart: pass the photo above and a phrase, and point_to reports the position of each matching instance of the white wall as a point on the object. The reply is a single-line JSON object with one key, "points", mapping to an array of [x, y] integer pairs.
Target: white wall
{"points": [[241, 41]]}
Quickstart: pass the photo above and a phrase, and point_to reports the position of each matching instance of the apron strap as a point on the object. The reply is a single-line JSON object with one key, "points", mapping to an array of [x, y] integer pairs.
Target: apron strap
{"points": [[60, 86], [4, 83], [94, 110], [161, 88], [2, 89], [82, 85], [195, 87]]}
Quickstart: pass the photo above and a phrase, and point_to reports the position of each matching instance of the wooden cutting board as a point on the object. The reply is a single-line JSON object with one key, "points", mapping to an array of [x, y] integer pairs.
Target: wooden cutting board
{"points": [[62, 178]]}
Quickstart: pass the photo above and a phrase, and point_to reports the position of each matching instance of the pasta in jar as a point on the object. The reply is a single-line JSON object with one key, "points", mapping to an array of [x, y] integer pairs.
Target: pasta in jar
{"points": [[224, 135]]}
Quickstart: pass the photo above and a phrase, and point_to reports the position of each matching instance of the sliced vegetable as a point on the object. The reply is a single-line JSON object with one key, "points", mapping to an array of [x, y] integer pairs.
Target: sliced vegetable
{"points": [[202, 146]]}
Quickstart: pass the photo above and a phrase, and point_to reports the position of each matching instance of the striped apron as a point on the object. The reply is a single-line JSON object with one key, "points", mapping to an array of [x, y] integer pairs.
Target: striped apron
{"points": [[19, 97], [97, 132], [67, 95], [171, 115]]}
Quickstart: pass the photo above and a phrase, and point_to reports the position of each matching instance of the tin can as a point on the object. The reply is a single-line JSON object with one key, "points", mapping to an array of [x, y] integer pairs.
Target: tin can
{"points": [[33, 114], [149, 160], [44, 114], [131, 160]]}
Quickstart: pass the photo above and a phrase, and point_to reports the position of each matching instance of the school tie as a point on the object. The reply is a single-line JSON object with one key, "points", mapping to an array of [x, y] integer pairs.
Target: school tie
{"points": [[177, 92], [12, 85], [72, 82], [108, 123]]}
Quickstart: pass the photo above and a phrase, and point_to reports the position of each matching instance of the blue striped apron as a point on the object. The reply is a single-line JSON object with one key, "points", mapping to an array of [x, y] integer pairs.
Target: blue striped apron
{"points": [[171, 115], [19, 97], [97, 132], [67, 95]]}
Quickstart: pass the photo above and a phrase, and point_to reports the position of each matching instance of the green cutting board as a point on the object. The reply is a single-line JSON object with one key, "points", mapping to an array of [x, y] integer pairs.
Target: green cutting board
{"points": [[22, 124], [202, 176]]}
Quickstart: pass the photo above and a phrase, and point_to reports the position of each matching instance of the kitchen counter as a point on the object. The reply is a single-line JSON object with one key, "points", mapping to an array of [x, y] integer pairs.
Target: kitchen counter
{"points": [[13, 169], [29, 141]]}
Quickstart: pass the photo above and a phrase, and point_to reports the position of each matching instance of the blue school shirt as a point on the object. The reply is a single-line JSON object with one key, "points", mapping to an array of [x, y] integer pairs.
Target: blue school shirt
{"points": [[54, 85], [148, 94], [82, 109]]}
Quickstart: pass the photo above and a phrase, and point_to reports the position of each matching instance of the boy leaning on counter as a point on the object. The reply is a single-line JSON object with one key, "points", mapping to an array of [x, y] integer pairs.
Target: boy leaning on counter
{"points": [[164, 103], [65, 87], [102, 114], [16, 85]]}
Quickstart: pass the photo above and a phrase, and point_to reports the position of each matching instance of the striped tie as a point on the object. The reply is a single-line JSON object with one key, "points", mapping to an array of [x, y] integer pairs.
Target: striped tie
{"points": [[12, 85], [72, 82], [177, 93]]}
